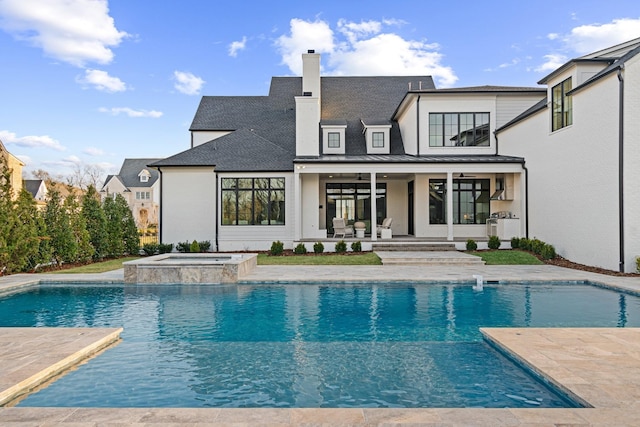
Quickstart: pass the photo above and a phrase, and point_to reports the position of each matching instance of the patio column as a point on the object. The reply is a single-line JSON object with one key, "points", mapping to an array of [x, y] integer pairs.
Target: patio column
{"points": [[374, 208], [450, 206], [297, 206]]}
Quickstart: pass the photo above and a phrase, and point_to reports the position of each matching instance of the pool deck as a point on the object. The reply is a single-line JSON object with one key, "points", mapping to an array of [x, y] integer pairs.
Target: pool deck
{"points": [[598, 366]]}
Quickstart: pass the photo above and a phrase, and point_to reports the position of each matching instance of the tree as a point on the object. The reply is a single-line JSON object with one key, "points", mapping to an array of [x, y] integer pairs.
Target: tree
{"points": [[84, 176], [129, 229], [6, 212], [96, 222], [78, 228], [62, 240], [23, 240], [115, 243]]}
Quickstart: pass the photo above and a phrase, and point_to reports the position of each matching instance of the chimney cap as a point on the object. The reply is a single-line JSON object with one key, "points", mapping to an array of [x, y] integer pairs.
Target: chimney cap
{"points": [[307, 94], [311, 51]]}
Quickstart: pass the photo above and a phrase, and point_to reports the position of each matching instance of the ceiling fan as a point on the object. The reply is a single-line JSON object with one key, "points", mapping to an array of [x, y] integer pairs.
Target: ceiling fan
{"points": [[462, 175]]}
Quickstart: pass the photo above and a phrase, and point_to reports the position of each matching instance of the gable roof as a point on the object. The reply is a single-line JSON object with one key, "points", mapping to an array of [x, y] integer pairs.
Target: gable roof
{"points": [[32, 185], [262, 128], [130, 171]]}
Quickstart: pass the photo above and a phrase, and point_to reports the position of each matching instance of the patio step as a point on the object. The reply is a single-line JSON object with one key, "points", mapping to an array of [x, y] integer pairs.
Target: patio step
{"points": [[428, 258], [413, 247]]}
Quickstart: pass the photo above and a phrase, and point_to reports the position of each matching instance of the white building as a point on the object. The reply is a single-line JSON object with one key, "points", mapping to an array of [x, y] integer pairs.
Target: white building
{"points": [[440, 162]]}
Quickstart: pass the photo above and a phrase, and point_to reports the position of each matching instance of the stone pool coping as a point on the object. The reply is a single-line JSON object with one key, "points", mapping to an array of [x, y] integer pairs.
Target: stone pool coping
{"points": [[600, 365]]}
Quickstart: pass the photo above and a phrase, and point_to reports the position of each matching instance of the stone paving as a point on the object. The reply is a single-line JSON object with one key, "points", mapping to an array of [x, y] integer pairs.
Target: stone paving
{"points": [[601, 367]]}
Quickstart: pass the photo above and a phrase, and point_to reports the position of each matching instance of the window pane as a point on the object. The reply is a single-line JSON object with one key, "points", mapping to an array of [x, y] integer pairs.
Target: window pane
{"points": [[229, 182], [245, 183], [437, 202], [333, 140], [277, 183], [261, 207], [276, 207], [377, 139], [450, 129], [245, 211], [229, 208], [435, 130]]}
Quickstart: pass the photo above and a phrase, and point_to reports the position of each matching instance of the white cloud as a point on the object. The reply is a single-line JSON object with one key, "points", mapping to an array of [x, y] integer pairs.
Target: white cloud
{"points": [[552, 62], [73, 31], [590, 38], [131, 112], [236, 46], [187, 83], [102, 81], [30, 141], [363, 49], [93, 151]]}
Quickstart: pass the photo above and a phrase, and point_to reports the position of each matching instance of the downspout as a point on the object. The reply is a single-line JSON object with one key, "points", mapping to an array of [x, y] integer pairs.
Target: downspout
{"points": [[217, 212], [160, 213], [526, 200], [621, 165], [418, 124]]}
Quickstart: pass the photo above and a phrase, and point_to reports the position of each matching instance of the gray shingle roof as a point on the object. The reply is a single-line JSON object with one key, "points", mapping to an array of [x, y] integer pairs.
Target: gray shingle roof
{"points": [[32, 185], [130, 170], [267, 140]]}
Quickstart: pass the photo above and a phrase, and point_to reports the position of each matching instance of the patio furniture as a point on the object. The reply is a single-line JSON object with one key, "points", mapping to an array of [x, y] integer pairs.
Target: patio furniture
{"points": [[384, 230], [341, 228], [360, 228]]}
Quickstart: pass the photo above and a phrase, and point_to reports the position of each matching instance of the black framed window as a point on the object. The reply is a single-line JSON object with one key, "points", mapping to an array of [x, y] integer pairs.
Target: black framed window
{"points": [[562, 105], [253, 201], [458, 129], [352, 201], [470, 201]]}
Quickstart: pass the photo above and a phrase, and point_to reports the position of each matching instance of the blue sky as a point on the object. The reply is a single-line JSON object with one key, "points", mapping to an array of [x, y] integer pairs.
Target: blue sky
{"points": [[91, 82]]}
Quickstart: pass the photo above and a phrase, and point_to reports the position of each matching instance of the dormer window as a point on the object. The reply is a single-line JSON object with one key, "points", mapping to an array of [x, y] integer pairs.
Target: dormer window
{"points": [[333, 136], [144, 175], [377, 135]]}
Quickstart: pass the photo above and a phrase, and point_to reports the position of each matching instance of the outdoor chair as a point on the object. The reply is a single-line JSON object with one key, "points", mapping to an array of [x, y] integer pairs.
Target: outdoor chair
{"points": [[386, 225], [341, 228]]}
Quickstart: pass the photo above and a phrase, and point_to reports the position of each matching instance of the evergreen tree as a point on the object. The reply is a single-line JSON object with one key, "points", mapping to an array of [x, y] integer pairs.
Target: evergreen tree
{"points": [[62, 240], [23, 239], [78, 228], [130, 235], [6, 213], [96, 222], [115, 242]]}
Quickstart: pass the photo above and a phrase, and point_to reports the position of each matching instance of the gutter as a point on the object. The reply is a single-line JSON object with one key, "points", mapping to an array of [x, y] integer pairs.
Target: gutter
{"points": [[526, 200], [161, 222], [418, 124], [621, 165]]}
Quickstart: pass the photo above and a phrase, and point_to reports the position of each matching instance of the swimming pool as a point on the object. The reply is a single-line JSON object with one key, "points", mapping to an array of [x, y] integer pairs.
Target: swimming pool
{"points": [[307, 345]]}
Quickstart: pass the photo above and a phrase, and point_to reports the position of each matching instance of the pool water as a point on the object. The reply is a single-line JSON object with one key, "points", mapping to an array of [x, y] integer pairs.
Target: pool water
{"points": [[307, 345]]}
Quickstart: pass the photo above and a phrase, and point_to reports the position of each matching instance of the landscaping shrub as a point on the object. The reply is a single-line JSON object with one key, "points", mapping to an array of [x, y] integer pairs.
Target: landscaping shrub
{"points": [[548, 251], [525, 244], [536, 246], [515, 242], [300, 249], [318, 247], [205, 245], [356, 246], [494, 242], [183, 247], [341, 247], [150, 248], [471, 245], [277, 248], [165, 248], [194, 247]]}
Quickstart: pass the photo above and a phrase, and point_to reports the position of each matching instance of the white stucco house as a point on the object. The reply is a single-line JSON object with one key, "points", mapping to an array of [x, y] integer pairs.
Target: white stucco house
{"points": [[139, 184], [542, 162]]}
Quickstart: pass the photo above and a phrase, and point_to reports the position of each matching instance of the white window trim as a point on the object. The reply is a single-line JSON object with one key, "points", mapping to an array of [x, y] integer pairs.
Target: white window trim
{"points": [[326, 130]]}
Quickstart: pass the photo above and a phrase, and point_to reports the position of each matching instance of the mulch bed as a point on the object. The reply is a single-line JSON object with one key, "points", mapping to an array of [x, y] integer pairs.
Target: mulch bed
{"points": [[561, 262]]}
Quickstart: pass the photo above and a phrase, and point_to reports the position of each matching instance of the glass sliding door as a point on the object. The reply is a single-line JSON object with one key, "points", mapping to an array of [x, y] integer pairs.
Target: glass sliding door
{"points": [[352, 201]]}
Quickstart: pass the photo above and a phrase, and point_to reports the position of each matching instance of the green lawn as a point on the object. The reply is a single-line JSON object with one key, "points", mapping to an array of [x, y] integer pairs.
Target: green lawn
{"points": [[96, 267], [507, 257], [326, 259]]}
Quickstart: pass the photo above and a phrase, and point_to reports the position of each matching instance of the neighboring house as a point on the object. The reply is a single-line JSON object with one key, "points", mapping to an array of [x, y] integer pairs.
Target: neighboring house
{"points": [[38, 189], [140, 187], [15, 165], [440, 162]]}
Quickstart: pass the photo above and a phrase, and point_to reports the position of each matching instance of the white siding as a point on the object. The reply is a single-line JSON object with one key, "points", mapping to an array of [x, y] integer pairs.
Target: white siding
{"points": [[631, 162], [572, 176], [509, 107], [200, 137], [408, 123], [188, 204]]}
